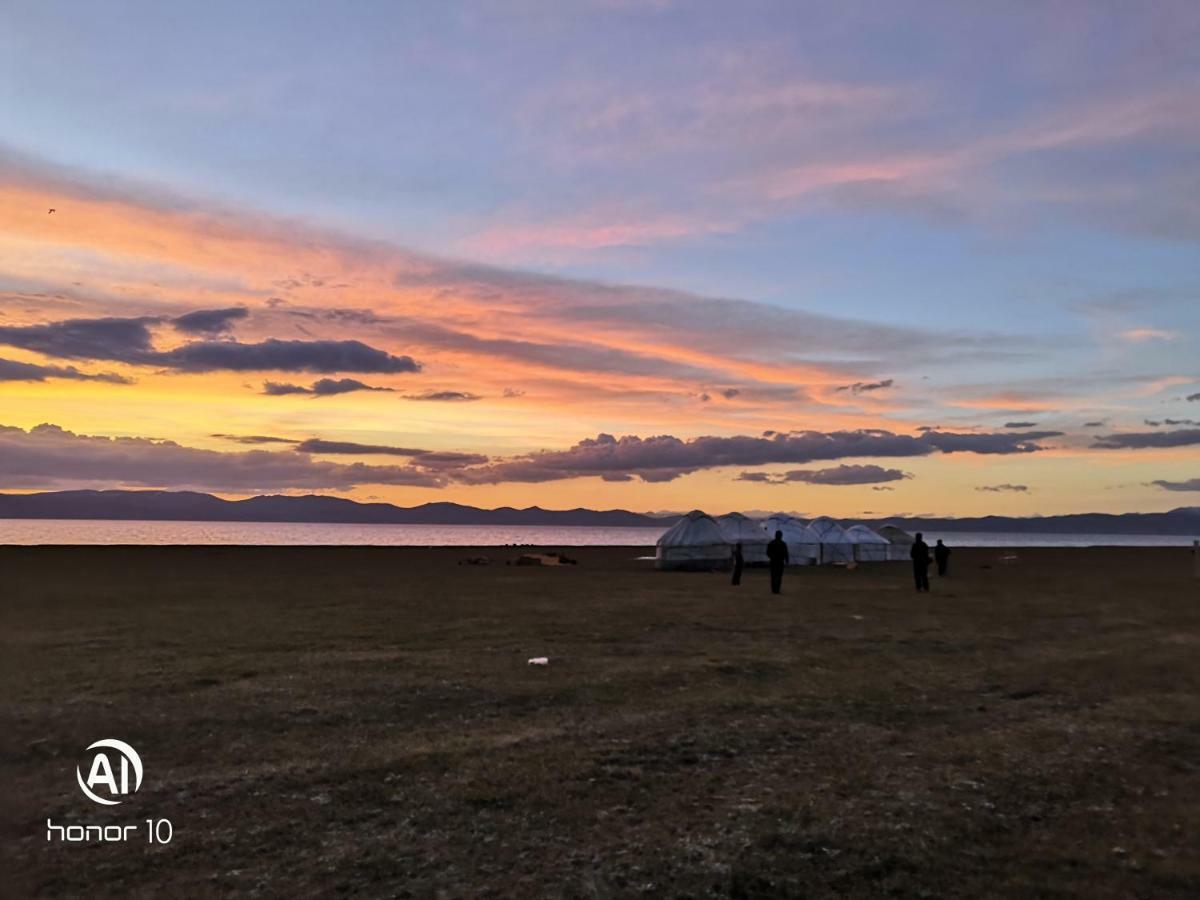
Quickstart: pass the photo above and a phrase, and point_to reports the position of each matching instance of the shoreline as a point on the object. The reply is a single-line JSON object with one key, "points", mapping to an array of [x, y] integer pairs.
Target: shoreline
{"points": [[4, 547]]}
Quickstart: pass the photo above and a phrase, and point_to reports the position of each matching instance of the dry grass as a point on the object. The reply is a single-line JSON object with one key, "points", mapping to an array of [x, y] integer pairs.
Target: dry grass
{"points": [[362, 721]]}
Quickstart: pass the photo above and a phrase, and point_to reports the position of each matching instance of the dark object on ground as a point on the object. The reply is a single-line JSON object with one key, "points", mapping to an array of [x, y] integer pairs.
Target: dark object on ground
{"points": [[920, 560], [941, 553], [543, 559], [777, 559]]}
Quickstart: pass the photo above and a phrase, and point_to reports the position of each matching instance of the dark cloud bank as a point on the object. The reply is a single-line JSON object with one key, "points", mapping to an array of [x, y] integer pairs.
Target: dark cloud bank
{"points": [[1141, 440], [131, 341], [1192, 484], [51, 455], [665, 457]]}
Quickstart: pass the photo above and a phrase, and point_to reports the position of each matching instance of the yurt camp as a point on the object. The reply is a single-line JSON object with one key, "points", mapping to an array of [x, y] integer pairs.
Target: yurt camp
{"points": [[834, 545], [694, 543], [739, 529], [803, 550], [868, 546], [900, 541]]}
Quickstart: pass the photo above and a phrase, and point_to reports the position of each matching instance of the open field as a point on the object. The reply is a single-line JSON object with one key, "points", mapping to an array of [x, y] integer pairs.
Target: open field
{"points": [[363, 721]]}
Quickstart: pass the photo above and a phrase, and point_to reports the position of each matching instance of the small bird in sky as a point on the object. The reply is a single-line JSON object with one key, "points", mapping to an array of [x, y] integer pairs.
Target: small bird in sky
{"points": [[50, 211]]}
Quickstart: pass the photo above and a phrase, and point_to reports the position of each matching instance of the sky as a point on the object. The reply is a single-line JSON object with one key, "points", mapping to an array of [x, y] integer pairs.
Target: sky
{"points": [[855, 259]]}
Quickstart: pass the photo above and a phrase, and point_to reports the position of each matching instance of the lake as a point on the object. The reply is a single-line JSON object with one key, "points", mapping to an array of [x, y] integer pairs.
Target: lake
{"points": [[104, 531]]}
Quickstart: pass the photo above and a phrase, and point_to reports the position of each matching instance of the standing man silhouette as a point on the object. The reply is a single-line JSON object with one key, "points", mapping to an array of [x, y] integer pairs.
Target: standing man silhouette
{"points": [[941, 553], [777, 557], [737, 564], [920, 561]]}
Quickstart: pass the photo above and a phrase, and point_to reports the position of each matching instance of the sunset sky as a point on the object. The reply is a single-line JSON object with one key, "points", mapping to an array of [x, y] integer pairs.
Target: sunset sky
{"points": [[843, 258]]}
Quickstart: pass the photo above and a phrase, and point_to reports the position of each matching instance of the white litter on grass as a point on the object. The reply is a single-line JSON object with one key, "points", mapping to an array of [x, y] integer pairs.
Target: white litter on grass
{"points": [[540, 661]]}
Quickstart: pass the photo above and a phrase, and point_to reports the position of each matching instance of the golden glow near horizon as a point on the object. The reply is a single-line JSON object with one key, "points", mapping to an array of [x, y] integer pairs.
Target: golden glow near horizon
{"points": [[104, 256]]}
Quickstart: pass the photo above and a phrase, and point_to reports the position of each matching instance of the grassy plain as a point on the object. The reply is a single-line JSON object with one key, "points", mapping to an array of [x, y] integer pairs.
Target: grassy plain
{"points": [[362, 721]]}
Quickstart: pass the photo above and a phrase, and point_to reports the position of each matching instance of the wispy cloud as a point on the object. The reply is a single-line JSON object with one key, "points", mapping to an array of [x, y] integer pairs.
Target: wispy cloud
{"points": [[1191, 484], [324, 387], [12, 370], [437, 459], [837, 475], [256, 439], [1142, 335], [1139, 440], [444, 396], [861, 387]]}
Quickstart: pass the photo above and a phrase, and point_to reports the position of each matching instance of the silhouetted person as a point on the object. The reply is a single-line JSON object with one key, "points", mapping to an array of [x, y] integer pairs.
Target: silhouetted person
{"points": [[737, 564], [920, 559], [941, 553], [777, 558]]}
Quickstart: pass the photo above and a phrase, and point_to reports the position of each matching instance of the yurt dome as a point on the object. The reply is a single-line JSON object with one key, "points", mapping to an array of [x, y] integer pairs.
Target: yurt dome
{"points": [[739, 529], [868, 546], [834, 545], [894, 534], [803, 550], [900, 541], [694, 542], [774, 523]]}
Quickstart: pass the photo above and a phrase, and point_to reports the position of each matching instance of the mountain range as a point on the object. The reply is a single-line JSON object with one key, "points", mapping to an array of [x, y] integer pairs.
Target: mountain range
{"points": [[193, 506]]}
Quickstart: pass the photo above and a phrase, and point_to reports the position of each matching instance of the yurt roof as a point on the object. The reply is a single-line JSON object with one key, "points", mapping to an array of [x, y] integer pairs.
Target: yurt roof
{"points": [[696, 529], [793, 529], [784, 517], [737, 527], [861, 534], [895, 534], [827, 531]]}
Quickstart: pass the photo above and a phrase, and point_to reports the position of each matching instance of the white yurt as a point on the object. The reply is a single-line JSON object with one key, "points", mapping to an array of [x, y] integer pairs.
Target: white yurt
{"points": [[802, 549], [834, 545], [868, 546], [739, 529], [900, 541], [694, 542]]}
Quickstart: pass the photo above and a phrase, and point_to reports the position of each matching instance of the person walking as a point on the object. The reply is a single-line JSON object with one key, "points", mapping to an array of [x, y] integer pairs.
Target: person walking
{"points": [[777, 557], [920, 561], [941, 554], [737, 564]]}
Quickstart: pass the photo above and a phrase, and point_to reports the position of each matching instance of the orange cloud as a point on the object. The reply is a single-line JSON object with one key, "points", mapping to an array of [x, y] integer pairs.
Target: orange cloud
{"points": [[125, 252], [1141, 335]]}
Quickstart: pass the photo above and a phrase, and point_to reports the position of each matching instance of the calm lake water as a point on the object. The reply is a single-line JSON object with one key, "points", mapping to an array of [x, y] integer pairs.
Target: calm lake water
{"points": [[103, 531]]}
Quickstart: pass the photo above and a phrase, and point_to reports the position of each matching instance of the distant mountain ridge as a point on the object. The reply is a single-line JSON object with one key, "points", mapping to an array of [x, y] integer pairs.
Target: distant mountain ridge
{"points": [[1183, 520], [193, 506]]}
